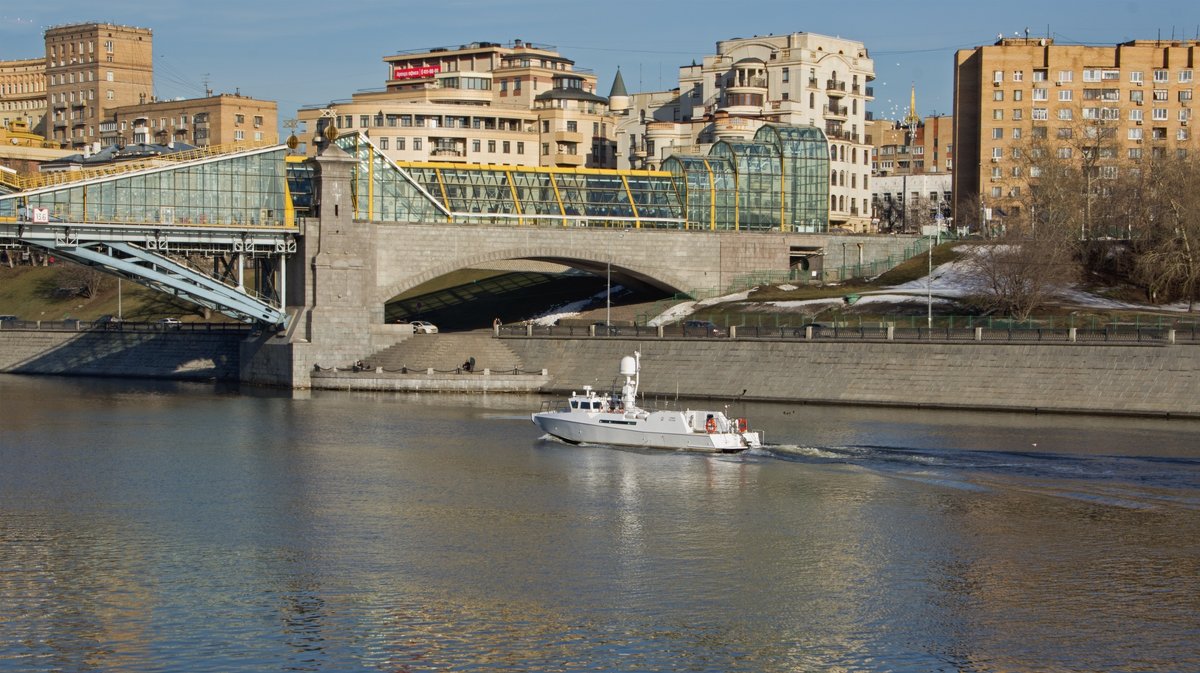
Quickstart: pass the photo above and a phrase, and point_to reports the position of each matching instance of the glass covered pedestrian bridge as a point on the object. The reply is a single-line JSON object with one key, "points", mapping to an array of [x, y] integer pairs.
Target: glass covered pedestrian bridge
{"points": [[778, 182]]}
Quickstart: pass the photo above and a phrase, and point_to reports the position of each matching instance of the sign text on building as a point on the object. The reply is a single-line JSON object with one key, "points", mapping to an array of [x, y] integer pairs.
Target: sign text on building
{"points": [[414, 73]]}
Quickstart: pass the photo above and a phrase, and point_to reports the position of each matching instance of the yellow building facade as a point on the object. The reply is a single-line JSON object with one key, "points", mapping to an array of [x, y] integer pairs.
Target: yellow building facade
{"points": [[215, 120], [1136, 99], [90, 69]]}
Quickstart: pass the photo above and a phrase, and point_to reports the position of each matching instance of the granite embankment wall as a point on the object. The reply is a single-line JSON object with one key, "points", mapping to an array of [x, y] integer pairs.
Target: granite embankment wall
{"points": [[171, 354], [1064, 378]]}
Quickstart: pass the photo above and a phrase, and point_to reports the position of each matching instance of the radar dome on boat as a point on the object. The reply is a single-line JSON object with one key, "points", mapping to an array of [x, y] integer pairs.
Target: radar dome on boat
{"points": [[628, 366]]}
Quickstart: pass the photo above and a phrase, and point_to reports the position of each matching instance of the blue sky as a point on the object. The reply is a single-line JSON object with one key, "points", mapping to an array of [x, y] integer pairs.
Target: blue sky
{"points": [[303, 53]]}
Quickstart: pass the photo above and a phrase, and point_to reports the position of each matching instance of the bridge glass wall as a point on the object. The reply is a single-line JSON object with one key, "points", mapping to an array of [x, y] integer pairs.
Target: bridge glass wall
{"points": [[383, 192], [240, 190], [759, 187], [708, 187], [529, 195], [805, 159]]}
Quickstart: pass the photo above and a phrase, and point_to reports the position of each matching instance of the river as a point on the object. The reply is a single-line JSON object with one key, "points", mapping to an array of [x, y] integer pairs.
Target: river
{"points": [[160, 526]]}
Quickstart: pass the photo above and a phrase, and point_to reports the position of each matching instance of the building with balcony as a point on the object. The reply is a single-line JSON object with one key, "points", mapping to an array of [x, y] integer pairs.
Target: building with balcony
{"points": [[224, 119], [799, 79], [519, 103], [23, 94], [91, 68], [1113, 105]]}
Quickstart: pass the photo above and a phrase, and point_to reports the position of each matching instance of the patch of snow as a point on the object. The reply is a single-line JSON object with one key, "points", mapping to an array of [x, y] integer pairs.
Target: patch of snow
{"points": [[570, 310], [674, 314], [786, 288]]}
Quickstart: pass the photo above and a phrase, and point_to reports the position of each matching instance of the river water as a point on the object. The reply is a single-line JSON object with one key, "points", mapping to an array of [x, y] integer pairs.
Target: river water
{"points": [[148, 526]]}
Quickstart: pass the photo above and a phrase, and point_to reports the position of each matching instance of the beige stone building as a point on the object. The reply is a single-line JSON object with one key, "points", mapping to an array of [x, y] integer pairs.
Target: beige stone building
{"points": [[1128, 101], [800, 78], [23, 93], [90, 69], [216, 120], [519, 104]]}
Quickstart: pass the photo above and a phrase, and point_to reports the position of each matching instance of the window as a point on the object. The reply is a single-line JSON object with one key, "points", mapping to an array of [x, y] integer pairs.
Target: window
{"points": [[1185, 76], [1038, 133], [1159, 114], [997, 134], [997, 153], [1064, 114], [1018, 94], [258, 120], [997, 95], [572, 126], [1185, 95], [416, 143], [1091, 75], [1064, 134], [998, 114], [475, 145], [1039, 75], [491, 146], [1064, 95], [1161, 75], [1039, 94], [1135, 76], [1160, 94], [1135, 134], [1111, 75], [108, 76], [1064, 153], [520, 147], [383, 143], [1135, 153], [399, 143], [239, 135], [1039, 114], [786, 76], [506, 147], [109, 94], [1136, 97], [1016, 134], [1066, 76], [545, 126], [997, 75], [997, 192], [545, 149], [996, 174], [1018, 75], [1018, 114]]}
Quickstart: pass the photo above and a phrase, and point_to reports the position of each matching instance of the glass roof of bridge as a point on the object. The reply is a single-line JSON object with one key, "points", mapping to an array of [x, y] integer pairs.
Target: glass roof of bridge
{"points": [[238, 187]]}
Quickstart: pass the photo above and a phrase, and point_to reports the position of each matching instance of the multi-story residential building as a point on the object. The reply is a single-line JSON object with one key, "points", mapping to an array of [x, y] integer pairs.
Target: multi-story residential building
{"points": [[23, 93], [898, 148], [800, 79], [90, 69], [1107, 104], [520, 104], [216, 120]]}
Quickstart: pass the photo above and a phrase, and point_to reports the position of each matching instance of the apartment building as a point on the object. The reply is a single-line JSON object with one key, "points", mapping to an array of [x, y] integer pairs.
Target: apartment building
{"points": [[518, 103], [214, 120], [1125, 102], [898, 148], [23, 94], [801, 79], [91, 68]]}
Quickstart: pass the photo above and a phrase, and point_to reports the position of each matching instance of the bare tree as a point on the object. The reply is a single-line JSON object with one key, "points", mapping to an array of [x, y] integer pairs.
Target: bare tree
{"points": [[84, 281], [1167, 245]]}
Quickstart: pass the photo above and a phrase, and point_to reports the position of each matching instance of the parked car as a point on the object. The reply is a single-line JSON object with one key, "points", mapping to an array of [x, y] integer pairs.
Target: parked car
{"points": [[9, 318], [423, 327], [169, 323], [107, 322], [707, 326]]}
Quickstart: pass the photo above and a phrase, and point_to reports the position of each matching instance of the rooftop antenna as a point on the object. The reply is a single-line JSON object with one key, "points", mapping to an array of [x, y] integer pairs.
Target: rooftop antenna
{"points": [[207, 91]]}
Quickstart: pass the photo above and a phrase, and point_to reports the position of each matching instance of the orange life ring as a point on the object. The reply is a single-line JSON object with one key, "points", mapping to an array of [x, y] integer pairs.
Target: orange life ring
{"points": [[742, 425], [711, 425]]}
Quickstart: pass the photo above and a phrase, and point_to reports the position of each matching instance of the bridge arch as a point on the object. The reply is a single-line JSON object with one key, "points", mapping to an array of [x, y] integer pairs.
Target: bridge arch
{"points": [[585, 259]]}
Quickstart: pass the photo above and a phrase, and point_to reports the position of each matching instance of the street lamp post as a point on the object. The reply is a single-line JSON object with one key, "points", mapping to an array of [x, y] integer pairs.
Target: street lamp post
{"points": [[929, 289]]}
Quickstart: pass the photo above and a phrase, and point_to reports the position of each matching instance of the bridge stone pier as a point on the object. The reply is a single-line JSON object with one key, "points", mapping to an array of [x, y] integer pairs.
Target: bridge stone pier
{"points": [[346, 269]]}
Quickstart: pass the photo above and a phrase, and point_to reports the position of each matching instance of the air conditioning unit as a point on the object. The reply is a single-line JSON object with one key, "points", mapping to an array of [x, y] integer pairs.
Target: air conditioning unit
{"points": [[996, 83], [1138, 102], [1138, 141], [995, 160], [1139, 122], [1058, 83], [1183, 122]]}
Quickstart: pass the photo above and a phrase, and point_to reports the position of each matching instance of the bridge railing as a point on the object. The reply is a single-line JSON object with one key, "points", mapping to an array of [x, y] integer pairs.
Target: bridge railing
{"points": [[820, 332], [74, 325]]}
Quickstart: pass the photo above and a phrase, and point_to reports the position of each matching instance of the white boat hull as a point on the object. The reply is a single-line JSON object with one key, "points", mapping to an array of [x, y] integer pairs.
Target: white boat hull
{"points": [[658, 430]]}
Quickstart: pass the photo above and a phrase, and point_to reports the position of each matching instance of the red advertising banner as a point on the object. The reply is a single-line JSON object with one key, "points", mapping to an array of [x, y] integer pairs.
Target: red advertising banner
{"points": [[414, 73]]}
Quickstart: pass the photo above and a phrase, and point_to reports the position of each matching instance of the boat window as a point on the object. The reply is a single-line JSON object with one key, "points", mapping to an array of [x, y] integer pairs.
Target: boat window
{"points": [[574, 404]]}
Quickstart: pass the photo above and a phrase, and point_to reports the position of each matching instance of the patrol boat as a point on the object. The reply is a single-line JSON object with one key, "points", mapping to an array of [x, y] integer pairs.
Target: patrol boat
{"points": [[593, 418]]}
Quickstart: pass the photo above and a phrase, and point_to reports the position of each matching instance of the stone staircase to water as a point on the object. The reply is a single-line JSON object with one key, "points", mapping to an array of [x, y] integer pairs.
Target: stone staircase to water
{"points": [[446, 352]]}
